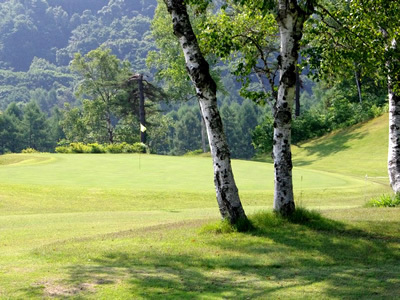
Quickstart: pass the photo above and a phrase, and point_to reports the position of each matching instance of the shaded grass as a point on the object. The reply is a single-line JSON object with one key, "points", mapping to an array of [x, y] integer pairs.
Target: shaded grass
{"points": [[322, 258], [305, 257]]}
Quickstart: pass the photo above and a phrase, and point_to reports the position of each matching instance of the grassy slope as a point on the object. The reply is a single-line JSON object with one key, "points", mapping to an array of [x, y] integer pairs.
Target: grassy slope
{"points": [[98, 226], [357, 151]]}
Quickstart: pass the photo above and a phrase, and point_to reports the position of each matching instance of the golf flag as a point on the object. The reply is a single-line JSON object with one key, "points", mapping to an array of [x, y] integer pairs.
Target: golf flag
{"points": [[142, 128]]}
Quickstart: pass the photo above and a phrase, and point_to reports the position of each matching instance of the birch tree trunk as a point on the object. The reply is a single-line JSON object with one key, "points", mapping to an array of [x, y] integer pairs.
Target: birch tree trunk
{"points": [[394, 140], [203, 136], [227, 193], [290, 20], [394, 124], [203, 132]]}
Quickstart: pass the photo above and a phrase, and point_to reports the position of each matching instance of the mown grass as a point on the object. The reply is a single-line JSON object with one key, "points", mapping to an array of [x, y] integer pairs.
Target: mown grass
{"points": [[323, 258], [356, 151], [146, 227]]}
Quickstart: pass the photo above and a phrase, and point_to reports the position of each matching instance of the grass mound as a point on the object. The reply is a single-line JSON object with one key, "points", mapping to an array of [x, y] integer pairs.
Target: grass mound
{"points": [[385, 201], [13, 159], [264, 221], [224, 226]]}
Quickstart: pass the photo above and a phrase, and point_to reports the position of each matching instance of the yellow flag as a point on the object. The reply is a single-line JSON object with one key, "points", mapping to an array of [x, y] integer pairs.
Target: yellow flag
{"points": [[142, 128]]}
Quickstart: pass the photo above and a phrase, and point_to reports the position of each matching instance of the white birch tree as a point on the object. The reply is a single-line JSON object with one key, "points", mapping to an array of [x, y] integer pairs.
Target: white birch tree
{"points": [[291, 18], [366, 31], [226, 190]]}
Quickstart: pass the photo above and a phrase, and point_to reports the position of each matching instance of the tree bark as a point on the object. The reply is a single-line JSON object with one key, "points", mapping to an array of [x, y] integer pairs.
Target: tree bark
{"points": [[290, 20], [109, 128], [358, 83], [203, 132], [394, 124], [142, 112], [226, 190], [394, 140], [298, 88]]}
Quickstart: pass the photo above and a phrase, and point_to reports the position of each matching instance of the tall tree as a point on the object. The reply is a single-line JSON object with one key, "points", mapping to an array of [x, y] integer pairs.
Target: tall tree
{"points": [[187, 131], [9, 134], [227, 192], [102, 75], [365, 32], [290, 16], [132, 103], [169, 62], [37, 131]]}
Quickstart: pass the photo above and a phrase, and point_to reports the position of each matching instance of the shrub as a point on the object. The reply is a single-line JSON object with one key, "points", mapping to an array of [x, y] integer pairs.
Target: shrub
{"points": [[113, 148], [385, 201], [29, 150], [139, 148], [99, 148], [194, 152], [96, 148], [79, 148], [63, 149]]}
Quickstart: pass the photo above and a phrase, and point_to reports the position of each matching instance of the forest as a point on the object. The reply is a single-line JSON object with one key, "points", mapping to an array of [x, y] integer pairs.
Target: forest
{"points": [[45, 103]]}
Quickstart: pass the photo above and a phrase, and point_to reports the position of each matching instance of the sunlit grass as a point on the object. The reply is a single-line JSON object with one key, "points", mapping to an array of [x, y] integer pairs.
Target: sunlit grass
{"points": [[357, 151]]}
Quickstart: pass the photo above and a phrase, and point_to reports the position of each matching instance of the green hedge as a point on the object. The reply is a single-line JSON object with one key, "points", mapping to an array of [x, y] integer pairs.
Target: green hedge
{"points": [[102, 148]]}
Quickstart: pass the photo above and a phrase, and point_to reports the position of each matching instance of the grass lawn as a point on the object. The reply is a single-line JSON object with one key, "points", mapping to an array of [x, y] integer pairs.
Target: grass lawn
{"points": [[138, 227]]}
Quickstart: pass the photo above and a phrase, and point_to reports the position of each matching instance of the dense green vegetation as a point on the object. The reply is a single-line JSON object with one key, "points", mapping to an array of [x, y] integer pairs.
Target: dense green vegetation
{"points": [[40, 38], [123, 225]]}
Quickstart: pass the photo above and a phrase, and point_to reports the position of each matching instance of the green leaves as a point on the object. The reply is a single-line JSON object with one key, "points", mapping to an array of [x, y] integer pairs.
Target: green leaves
{"points": [[347, 35], [247, 36]]}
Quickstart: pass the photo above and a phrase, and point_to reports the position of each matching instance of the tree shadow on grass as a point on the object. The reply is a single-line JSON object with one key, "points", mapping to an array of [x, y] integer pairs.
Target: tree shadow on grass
{"points": [[278, 258], [335, 144]]}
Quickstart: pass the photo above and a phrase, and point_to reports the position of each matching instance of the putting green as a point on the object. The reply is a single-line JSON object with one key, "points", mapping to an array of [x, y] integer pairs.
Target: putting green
{"points": [[150, 172]]}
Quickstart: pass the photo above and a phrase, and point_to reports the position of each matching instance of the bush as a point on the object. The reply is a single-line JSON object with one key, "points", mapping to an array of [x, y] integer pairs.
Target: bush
{"points": [[139, 148], [80, 148], [96, 148], [63, 149], [126, 148], [29, 150], [99, 148], [385, 201], [194, 152]]}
